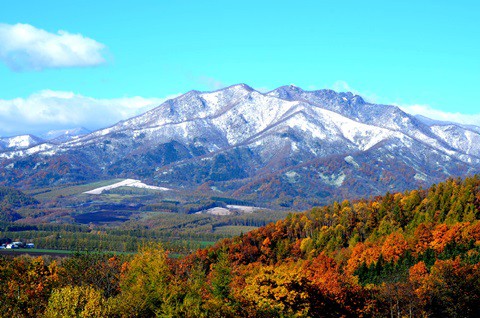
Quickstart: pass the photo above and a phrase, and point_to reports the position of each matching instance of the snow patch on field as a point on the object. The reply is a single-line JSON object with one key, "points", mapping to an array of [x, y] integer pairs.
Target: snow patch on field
{"points": [[243, 208], [230, 209], [126, 183], [218, 211]]}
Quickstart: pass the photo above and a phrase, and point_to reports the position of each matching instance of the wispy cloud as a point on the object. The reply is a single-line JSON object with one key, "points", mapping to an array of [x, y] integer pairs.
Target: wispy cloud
{"points": [[49, 110], [23, 47]]}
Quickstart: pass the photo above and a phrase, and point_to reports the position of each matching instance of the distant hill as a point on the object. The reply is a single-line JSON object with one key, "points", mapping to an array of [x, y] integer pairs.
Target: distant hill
{"points": [[63, 135], [15, 143], [19, 142]]}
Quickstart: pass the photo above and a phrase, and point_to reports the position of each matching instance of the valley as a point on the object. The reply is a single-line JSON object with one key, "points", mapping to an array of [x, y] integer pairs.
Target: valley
{"points": [[122, 216]]}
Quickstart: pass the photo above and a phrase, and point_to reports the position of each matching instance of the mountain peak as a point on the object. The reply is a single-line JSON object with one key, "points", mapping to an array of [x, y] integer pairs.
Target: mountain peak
{"points": [[291, 87], [288, 92], [240, 86], [19, 142], [357, 99]]}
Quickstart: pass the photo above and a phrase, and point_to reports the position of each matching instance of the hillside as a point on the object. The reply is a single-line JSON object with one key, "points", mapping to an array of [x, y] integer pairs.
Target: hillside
{"points": [[288, 147], [415, 253], [10, 201], [410, 254]]}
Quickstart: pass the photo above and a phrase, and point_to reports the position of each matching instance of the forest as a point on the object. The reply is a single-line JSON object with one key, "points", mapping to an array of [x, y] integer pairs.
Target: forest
{"points": [[410, 254]]}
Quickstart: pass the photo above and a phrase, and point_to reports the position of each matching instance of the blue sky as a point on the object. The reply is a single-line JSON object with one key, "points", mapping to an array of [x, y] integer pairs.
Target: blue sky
{"points": [[421, 55]]}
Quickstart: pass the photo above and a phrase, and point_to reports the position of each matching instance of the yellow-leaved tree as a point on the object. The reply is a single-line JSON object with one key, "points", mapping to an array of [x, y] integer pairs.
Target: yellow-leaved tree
{"points": [[145, 284], [76, 302]]}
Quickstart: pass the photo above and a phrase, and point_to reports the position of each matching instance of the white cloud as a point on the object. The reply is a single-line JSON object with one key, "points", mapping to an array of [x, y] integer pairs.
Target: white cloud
{"points": [[24, 47], [430, 112], [49, 110]]}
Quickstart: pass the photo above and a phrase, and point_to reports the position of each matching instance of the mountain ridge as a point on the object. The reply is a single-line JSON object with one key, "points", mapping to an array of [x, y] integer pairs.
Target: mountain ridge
{"points": [[236, 136]]}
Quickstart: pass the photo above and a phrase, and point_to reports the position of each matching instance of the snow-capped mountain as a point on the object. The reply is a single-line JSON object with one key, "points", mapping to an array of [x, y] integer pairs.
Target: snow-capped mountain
{"points": [[19, 142], [62, 135], [287, 145]]}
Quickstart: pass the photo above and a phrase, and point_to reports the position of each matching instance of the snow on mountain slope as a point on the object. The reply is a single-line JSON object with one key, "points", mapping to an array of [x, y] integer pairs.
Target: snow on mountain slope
{"points": [[385, 116], [238, 137], [459, 138], [238, 113], [435, 122], [59, 136], [19, 142]]}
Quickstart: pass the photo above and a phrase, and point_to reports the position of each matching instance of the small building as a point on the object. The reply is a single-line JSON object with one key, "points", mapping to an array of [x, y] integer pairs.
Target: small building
{"points": [[30, 245]]}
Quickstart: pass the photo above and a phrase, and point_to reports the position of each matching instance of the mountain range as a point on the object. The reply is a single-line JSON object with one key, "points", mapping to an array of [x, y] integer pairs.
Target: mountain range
{"points": [[287, 147], [52, 136]]}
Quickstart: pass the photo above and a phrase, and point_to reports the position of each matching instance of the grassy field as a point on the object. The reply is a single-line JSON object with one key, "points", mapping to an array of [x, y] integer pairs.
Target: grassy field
{"points": [[43, 194], [35, 252]]}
